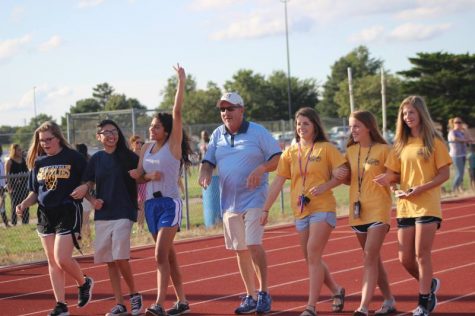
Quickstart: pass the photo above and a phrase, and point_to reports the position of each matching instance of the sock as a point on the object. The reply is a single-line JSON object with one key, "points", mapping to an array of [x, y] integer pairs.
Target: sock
{"points": [[423, 300]]}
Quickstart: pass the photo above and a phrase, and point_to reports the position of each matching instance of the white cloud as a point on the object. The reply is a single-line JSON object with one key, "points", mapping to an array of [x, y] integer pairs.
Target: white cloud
{"points": [[11, 47], [54, 42], [427, 9], [254, 26], [89, 3], [368, 35], [418, 32], [201, 5], [17, 13]]}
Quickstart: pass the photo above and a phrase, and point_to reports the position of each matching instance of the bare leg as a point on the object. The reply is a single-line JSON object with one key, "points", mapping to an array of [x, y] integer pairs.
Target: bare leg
{"points": [[164, 241], [425, 234], [246, 269], [407, 251], [259, 260], [56, 275], [114, 276], [175, 275]]}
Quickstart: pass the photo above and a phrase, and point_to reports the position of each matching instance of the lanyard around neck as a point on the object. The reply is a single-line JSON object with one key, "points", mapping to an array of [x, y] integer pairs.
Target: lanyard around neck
{"points": [[360, 178], [303, 174]]}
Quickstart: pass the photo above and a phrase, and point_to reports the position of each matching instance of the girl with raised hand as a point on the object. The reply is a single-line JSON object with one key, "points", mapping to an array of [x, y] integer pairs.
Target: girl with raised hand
{"points": [[160, 165]]}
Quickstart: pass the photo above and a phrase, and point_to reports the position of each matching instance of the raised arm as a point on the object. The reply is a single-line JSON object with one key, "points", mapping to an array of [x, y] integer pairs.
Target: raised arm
{"points": [[176, 135]]}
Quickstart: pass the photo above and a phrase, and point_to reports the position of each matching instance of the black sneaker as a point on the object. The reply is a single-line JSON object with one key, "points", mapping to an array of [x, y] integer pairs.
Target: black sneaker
{"points": [[155, 310], [179, 309], [136, 304], [118, 310], [85, 291], [434, 287], [60, 309]]}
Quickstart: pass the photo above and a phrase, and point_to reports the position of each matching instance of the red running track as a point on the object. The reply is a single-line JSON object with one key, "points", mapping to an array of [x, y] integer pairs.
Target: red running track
{"points": [[213, 284]]}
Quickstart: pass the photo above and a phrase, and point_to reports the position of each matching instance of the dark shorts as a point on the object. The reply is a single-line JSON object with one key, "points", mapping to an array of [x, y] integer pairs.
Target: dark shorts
{"points": [[62, 220], [163, 212], [363, 229], [412, 221]]}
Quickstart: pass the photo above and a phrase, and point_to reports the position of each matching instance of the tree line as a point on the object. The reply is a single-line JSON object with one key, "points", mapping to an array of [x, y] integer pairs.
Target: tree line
{"points": [[445, 80]]}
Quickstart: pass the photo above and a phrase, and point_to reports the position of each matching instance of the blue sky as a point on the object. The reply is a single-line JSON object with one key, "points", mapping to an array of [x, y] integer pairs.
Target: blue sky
{"points": [[64, 48]]}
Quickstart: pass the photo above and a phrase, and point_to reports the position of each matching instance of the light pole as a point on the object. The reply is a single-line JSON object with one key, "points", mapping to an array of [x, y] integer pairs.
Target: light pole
{"points": [[34, 106], [288, 61]]}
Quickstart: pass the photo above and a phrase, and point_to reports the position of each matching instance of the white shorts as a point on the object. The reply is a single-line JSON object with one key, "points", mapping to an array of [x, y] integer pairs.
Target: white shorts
{"points": [[112, 240], [242, 229]]}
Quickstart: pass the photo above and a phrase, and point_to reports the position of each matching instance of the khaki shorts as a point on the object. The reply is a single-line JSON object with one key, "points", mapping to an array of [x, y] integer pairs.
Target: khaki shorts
{"points": [[112, 240], [242, 229]]}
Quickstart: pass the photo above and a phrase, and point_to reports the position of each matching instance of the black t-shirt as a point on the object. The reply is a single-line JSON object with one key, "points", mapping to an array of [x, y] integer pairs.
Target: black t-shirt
{"points": [[54, 178], [113, 185]]}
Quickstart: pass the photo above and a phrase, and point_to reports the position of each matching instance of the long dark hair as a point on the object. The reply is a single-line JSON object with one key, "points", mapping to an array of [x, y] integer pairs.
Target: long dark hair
{"points": [[167, 121], [312, 115]]}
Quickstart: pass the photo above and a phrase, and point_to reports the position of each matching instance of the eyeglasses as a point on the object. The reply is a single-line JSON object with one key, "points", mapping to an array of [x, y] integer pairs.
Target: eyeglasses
{"points": [[46, 140], [229, 108], [458, 122], [112, 132], [138, 142]]}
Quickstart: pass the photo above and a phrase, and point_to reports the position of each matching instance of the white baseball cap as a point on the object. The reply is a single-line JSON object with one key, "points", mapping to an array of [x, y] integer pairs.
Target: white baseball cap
{"points": [[231, 97]]}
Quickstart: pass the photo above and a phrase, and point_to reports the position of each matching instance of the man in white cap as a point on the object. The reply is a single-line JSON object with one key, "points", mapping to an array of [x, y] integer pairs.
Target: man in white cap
{"points": [[244, 153]]}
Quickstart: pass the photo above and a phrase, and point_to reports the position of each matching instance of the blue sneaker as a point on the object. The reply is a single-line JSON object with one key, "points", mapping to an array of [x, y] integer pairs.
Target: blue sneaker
{"points": [[264, 302], [434, 287], [248, 306]]}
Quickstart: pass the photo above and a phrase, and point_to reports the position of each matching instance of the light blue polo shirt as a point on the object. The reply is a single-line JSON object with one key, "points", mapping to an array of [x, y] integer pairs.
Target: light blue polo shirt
{"points": [[236, 156]]}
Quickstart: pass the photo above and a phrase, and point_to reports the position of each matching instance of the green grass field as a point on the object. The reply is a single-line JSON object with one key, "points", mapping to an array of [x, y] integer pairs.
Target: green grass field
{"points": [[21, 243]]}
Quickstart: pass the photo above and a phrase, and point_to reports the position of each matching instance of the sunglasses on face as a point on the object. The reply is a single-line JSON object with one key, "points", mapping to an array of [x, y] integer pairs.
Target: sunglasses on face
{"points": [[228, 108], [458, 122]]}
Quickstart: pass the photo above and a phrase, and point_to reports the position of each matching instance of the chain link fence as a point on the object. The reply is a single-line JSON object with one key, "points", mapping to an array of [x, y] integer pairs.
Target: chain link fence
{"points": [[19, 242]]}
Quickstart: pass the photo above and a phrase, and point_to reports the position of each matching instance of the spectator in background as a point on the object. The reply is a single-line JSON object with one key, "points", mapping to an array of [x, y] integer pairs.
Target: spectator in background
{"points": [[471, 166], [458, 139], [86, 205], [3, 211], [18, 186], [136, 143], [244, 153], [203, 145]]}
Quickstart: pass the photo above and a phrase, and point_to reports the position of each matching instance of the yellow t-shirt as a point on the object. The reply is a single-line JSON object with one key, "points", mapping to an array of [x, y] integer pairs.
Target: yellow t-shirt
{"points": [[323, 159], [414, 171], [375, 200]]}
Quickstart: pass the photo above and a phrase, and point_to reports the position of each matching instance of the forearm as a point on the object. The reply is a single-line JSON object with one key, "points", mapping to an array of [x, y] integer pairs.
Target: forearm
{"points": [[274, 191], [270, 165], [442, 176], [31, 199]]}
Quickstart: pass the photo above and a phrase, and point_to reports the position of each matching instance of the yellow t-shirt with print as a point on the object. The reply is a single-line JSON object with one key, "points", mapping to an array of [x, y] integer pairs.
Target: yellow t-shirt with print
{"points": [[415, 171], [323, 159], [375, 200]]}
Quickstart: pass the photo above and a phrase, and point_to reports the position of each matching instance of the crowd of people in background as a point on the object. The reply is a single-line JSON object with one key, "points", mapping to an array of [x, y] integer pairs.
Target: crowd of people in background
{"points": [[132, 181]]}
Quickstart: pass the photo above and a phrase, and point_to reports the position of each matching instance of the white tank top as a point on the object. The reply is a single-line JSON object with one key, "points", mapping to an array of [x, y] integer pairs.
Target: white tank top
{"points": [[169, 167]]}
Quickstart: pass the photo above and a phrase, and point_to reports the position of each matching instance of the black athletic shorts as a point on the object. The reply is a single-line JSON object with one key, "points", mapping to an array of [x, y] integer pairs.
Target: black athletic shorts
{"points": [[412, 221], [62, 220]]}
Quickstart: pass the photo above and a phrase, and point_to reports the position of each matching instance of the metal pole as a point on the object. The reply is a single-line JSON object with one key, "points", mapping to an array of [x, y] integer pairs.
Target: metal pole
{"points": [[350, 88], [288, 61], [383, 103], [34, 106]]}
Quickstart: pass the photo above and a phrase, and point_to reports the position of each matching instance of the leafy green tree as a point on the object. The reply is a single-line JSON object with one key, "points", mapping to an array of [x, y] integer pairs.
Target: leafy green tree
{"points": [[24, 134], [367, 95], [85, 106], [169, 91], [121, 102], [446, 81], [6, 133], [361, 65], [102, 92]]}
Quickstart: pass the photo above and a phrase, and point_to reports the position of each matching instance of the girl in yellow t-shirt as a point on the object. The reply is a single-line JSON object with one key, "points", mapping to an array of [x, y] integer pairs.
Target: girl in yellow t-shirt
{"points": [[421, 160], [313, 166], [370, 205]]}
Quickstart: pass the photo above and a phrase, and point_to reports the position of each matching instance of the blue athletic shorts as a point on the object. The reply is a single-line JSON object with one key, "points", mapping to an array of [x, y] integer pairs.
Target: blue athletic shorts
{"points": [[302, 224], [163, 212]]}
